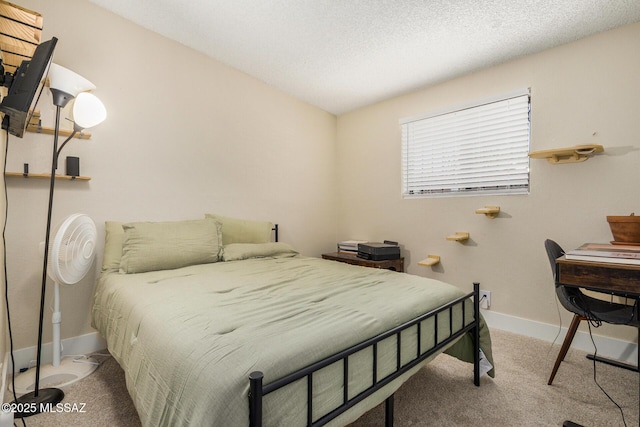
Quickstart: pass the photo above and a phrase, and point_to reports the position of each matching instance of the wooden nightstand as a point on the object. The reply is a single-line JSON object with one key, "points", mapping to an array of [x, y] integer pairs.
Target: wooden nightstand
{"points": [[391, 264]]}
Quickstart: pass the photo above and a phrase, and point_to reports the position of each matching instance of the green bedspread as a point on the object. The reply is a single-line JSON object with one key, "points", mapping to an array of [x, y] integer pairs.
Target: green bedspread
{"points": [[188, 338]]}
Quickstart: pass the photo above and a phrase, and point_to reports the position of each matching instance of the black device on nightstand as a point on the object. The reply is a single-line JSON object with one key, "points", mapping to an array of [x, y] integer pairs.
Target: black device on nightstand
{"points": [[376, 251]]}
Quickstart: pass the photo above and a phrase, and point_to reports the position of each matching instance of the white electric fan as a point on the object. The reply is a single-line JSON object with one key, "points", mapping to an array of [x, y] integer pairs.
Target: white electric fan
{"points": [[71, 254]]}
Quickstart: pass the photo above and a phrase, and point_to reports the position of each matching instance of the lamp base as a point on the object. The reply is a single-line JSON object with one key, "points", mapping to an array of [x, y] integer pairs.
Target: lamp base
{"points": [[30, 404]]}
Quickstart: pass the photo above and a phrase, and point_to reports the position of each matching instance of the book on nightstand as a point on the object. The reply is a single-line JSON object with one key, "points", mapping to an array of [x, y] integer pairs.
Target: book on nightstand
{"points": [[349, 246], [602, 252]]}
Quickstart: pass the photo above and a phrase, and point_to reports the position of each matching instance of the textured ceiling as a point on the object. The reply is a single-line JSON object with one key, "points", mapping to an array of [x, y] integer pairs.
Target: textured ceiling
{"points": [[343, 54]]}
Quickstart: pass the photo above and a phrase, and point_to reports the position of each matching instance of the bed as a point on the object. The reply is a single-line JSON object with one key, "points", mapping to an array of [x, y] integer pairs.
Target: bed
{"points": [[215, 324]]}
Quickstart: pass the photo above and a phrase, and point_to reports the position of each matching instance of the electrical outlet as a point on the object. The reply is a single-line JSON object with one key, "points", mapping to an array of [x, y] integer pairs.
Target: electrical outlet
{"points": [[485, 299]]}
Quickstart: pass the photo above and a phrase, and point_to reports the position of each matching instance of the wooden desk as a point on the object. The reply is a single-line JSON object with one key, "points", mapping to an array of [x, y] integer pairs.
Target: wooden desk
{"points": [[599, 276], [605, 277]]}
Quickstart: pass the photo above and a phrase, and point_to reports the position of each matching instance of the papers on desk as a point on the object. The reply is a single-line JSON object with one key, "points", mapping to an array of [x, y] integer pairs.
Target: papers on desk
{"points": [[602, 252]]}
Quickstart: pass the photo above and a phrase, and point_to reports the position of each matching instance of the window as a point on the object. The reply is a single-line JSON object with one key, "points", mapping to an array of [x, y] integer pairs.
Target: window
{"points": [[479, 149]]}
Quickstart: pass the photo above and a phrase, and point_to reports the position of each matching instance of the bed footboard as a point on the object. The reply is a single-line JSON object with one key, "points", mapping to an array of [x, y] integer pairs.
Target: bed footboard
{"points": [[257, 389]]}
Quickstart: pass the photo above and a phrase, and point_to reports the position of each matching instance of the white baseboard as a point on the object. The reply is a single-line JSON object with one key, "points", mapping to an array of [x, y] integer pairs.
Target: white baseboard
{"points": [[83, 344], [625, 351]]}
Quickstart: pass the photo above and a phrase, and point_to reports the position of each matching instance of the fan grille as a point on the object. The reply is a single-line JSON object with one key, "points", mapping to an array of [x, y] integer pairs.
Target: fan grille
{"points": [[72, 249]]}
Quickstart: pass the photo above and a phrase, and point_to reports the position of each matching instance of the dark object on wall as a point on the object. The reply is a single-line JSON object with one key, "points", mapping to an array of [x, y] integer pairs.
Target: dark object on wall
{"points": [[25, 86], [73, 166], [378, 251]]}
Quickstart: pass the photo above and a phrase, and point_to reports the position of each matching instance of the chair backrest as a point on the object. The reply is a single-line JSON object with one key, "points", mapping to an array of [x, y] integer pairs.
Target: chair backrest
{"points": [[554, 251], [566, 295]]}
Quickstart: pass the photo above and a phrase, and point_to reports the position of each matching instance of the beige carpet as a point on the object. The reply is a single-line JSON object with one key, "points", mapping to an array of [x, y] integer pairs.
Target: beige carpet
{"points": [[441, 394]]}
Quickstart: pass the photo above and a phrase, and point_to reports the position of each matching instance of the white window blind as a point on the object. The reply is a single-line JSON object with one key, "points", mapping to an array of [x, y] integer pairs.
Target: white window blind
{"points": [[483, 149]]}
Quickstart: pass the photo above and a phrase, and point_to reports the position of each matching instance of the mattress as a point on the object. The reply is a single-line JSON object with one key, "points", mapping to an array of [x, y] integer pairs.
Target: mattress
{"points": [[187, 339]]}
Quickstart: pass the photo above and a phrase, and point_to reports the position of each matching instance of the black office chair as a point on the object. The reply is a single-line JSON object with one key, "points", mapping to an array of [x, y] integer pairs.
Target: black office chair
{"points": [[584, 307]]}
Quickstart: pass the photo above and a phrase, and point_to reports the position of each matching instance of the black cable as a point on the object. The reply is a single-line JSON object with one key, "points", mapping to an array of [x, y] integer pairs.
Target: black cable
{"points": [[595, 379], [6, 282], [580, 301], [596, 322]]}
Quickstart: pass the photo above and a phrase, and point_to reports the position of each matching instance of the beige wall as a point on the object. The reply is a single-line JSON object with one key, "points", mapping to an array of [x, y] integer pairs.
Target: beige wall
{"points": [[583, 92], [185, 135]]}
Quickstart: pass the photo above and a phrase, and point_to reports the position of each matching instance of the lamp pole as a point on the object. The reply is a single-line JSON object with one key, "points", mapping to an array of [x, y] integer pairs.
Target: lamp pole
{"points": [[35, 402]]}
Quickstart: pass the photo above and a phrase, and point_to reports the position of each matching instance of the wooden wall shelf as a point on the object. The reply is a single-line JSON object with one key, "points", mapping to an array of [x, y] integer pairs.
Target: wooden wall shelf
{"points": [[489, 211], [575, 154], [61, 132], [21, 33], [459, 236], [430, 260], [46, 176], [35, 126]]}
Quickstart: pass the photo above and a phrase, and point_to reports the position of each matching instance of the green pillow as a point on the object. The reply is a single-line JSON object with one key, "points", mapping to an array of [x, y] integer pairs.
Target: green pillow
{"points": [[114, 234], [239, 251], [150, 246], [242, 230]]}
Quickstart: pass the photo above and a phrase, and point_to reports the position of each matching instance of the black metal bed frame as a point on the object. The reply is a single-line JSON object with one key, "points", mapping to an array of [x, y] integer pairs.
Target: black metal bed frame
{"points": [[257, 390]]}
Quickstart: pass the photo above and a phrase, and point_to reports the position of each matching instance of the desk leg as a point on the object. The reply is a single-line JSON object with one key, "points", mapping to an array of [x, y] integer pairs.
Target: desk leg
{"points": [[617, 363], [613, 362]]}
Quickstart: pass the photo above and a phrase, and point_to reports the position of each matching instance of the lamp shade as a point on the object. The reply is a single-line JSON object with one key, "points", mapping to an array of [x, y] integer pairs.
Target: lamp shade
{"points": [[66, 85], [88, 111]]}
